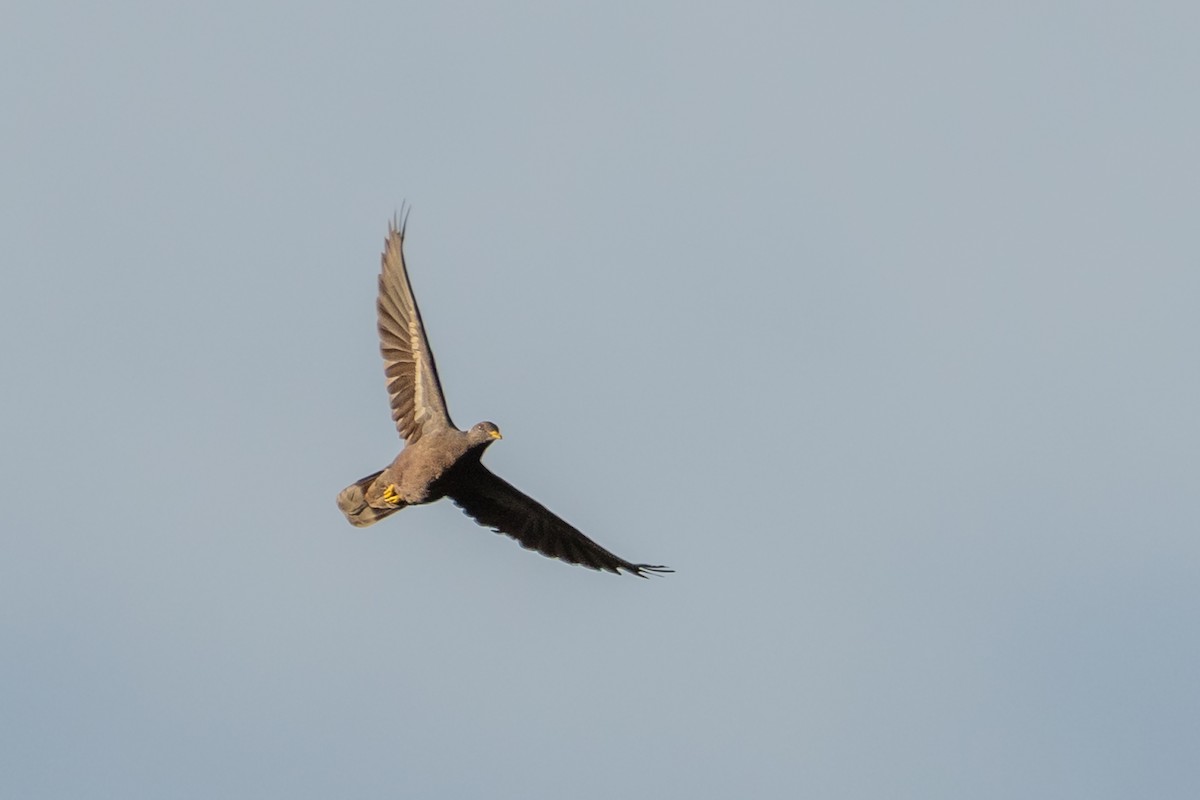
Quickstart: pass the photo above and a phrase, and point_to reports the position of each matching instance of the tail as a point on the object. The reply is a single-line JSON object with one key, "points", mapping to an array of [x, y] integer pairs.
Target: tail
{"points": [[353, 503]]}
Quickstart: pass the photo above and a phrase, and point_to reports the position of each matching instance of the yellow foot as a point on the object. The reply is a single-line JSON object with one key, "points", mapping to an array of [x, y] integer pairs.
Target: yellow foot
{"points": [[389, 495]]}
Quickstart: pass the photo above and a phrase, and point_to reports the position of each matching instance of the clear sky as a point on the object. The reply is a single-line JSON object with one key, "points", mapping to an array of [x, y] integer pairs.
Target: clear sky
{"points": [[877, 321]]}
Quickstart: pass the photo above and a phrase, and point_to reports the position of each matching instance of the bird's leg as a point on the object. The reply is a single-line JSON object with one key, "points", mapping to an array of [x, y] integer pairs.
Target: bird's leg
{"points": [[389, 495]]}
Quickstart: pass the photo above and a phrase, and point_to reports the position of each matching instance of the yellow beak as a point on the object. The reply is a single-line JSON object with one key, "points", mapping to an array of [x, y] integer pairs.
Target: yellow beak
{"points": [[495, 435]]}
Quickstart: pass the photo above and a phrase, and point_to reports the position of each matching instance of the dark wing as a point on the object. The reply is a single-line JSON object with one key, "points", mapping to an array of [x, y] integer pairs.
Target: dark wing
{"points": [[495, 503], [416, 394]]}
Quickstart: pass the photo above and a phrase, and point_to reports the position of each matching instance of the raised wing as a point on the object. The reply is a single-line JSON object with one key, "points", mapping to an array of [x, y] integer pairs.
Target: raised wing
{"points": [[416, 394], [495, 503]]}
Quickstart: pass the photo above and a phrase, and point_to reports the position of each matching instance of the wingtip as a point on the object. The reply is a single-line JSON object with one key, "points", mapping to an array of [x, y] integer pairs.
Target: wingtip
{"points": [[646, 570], [399, 222]]}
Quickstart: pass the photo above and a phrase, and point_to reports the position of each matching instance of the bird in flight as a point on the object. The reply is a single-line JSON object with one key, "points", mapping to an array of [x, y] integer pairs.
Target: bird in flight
{"points": [[438, 459]]}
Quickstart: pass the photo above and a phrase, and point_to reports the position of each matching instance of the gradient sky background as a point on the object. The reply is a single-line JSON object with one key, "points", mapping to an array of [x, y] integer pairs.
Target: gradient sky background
{"points": [[878, 323]]}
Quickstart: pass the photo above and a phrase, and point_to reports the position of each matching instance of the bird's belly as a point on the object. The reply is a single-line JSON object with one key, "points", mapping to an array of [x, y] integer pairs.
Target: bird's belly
{"points": [[414, 483]]}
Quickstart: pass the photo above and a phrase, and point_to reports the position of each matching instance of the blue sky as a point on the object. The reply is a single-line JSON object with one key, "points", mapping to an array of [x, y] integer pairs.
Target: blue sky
{"points": [[877, 323]]}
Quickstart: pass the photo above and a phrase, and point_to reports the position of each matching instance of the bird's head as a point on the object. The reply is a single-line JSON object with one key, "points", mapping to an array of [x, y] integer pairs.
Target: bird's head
{"points": [[484, 433]]}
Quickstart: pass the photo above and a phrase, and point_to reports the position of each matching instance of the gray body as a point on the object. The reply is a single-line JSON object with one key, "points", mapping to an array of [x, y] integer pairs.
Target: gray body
{"points": [[415, 476]]}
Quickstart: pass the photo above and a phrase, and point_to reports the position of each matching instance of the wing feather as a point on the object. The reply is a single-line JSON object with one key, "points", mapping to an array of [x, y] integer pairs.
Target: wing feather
{"points": [[497, 504], [413, 386]]}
